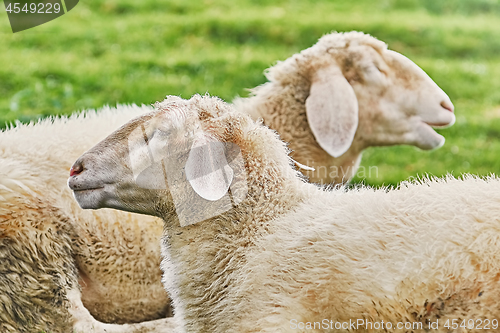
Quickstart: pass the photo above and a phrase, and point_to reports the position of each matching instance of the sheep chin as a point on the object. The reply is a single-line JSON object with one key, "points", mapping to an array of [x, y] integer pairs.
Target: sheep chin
{"points": [[426, 138], [89, 198]]}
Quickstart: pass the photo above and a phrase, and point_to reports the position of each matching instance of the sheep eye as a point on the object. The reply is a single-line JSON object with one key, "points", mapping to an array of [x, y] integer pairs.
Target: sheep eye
{"points": [[380, 70], [372, 72]]}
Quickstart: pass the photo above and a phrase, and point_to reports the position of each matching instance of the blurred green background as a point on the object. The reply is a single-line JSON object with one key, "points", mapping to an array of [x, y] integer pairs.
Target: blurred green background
{"points": [[129, 51]]}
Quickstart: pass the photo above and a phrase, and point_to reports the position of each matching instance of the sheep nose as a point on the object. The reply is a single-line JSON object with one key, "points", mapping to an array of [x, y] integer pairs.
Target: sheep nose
{"points": [[76, 169], [448, 105]]}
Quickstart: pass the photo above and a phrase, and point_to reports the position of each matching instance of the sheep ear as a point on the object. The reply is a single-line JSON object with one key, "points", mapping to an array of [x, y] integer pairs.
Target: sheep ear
{"points": [[207, 169], [332, 110]]}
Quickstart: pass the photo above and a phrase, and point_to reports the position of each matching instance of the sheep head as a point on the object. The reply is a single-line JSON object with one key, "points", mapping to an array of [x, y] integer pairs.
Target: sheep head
{"points": [[183, 159], [361, 94]]}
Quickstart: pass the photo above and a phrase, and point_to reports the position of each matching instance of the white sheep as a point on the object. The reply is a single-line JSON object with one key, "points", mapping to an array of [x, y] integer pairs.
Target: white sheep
{"points": [[345, 94], [48, 245], [282, 255]]}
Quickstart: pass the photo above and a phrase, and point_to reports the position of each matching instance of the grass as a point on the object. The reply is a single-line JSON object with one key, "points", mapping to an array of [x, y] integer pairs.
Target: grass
{"points": [[108, 52]]}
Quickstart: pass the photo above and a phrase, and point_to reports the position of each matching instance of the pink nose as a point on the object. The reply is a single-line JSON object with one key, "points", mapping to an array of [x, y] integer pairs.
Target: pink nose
{"points": [[76, 169], [448, 106]]}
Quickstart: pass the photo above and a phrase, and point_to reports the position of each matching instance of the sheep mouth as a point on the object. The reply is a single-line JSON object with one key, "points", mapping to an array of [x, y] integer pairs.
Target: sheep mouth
{"points": [[438, 125], [82, 190], [442, 121]]}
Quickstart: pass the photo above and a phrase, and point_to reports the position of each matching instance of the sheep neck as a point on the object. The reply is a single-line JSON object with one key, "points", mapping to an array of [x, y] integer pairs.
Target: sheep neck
{"points": [[282, 107], [201, 259]]}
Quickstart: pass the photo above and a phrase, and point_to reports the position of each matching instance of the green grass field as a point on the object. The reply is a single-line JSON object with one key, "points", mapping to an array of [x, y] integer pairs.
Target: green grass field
{"points": [[124, 51]]}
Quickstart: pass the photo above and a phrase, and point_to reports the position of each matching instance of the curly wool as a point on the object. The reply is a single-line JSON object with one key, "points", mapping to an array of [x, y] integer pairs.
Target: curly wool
{"points": [[49, 244]]}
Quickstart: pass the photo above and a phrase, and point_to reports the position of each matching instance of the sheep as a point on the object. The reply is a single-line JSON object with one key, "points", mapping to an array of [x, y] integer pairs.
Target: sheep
{"points": [[345, 94], [49, 246], [249, 246], [102, 260]]}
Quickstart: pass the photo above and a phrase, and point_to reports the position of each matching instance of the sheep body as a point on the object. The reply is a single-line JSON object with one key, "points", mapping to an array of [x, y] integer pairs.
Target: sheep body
{"points": [[33, 290], [50, 245], [292, 252], [421, 253]]}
